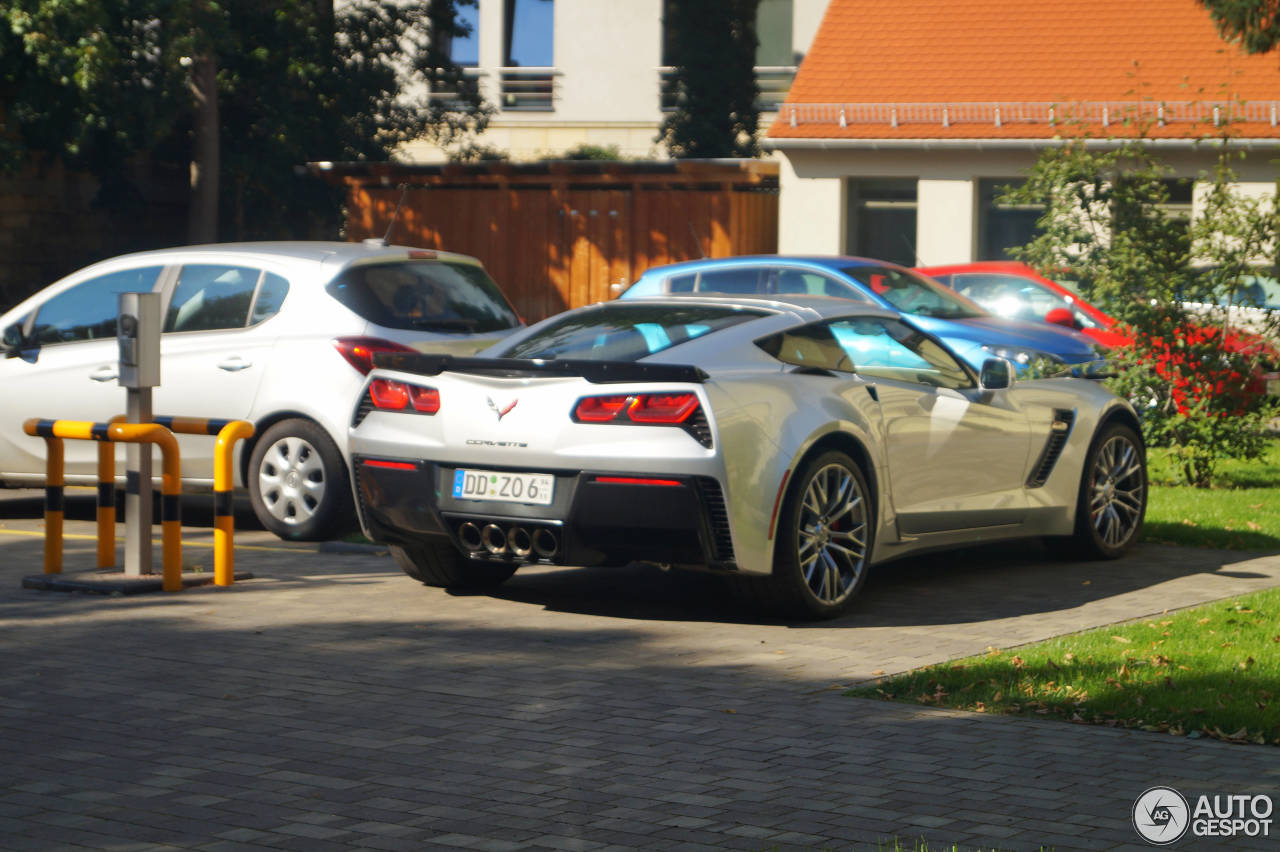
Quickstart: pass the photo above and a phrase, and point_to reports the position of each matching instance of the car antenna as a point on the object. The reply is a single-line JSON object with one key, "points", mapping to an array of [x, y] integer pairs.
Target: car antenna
{"points": [[697, 243], [910, 247], [386, 238]]}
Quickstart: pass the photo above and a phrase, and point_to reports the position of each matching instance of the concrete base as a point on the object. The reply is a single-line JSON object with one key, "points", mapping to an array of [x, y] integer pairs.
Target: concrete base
{"points": [[111, 582]]}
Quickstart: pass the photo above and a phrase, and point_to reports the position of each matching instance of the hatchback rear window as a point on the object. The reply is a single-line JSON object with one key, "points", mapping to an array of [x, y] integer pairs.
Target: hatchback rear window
{"points": [[428, 295], [622, 332]]}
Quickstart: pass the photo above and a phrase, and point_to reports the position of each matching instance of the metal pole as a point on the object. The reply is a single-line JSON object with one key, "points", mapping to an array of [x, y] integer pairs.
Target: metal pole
{"points": [[137, 489]]}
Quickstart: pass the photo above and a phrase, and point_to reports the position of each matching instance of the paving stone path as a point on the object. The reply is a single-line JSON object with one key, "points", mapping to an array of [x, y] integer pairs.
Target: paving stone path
{"points": [[332, 703]]}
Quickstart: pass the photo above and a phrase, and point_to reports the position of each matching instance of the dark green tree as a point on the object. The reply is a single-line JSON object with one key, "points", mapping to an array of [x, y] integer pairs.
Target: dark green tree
{"points": [[1253, 24], [711, 44], [242, 90]]}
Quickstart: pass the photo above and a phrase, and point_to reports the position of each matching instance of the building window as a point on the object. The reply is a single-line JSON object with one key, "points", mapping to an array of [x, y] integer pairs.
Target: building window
{"points": [[773, 31], [464, 47], [881, 220], [528, 43], [775, 60], [1003, 226]]}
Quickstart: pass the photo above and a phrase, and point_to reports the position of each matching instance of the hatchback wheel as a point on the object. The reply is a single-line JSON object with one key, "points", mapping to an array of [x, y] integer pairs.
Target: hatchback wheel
{"points": [[298, 483]]}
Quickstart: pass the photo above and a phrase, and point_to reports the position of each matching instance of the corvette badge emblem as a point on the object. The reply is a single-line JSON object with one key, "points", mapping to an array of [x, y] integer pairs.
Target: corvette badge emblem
{"points": [[501, 412]]}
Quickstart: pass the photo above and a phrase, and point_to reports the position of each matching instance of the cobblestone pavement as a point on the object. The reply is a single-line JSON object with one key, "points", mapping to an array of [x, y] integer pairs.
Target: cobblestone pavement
{"points": [[333, 703]]}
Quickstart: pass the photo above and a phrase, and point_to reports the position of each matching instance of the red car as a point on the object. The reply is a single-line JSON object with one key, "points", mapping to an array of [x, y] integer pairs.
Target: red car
{"points": [[1013, 289]]}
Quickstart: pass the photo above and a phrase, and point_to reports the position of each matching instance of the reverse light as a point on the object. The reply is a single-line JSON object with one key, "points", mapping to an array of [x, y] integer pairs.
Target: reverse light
{"points": [[359, 351]]}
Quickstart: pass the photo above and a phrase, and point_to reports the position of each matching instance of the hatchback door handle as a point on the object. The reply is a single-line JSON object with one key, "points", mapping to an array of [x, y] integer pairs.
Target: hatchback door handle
{"points": [[234, 364], [105, 374]]}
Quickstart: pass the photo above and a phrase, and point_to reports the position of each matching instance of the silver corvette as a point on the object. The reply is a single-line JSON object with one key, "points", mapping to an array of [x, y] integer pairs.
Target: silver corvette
{"points": [[788, 443]]}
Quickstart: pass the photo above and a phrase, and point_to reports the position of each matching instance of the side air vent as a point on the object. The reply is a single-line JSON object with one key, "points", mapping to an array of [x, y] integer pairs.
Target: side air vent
{"points": [[1059, 431], [366, 405], [721, 542]]}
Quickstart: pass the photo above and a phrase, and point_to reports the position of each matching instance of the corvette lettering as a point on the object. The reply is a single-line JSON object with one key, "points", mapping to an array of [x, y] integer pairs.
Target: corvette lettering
{"points": [[477, 442]]}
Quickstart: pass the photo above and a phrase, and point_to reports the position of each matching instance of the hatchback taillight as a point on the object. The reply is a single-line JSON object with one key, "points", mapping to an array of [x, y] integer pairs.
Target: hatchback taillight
{"points": [[359, 351], [390, 395]]}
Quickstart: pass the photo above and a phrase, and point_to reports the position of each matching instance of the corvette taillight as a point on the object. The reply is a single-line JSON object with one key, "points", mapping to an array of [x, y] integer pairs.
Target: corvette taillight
{"points": [[391, 395], [359, 351], [599, 409], [663, 409]]}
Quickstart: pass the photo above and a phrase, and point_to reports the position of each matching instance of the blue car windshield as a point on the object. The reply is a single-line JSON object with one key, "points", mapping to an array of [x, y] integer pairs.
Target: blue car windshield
{"points": [[624, 332], [914, 294]]}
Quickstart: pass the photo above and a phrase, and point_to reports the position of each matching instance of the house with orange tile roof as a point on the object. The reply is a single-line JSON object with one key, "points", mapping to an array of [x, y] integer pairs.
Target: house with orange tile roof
{"points": [[907, 118]]}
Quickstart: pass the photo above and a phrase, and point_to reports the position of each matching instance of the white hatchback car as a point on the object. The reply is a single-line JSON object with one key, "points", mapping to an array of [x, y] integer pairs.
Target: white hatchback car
{"points": [[279, 334]]}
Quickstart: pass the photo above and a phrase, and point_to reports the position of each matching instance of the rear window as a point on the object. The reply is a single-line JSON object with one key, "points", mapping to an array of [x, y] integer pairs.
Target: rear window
{"points": [[427, 295], [622, 332]]}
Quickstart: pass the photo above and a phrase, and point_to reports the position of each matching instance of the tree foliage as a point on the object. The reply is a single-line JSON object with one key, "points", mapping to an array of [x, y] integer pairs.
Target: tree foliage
{"points": [[100, 83], [1193, 377], [1253, 24], [712, 47]]}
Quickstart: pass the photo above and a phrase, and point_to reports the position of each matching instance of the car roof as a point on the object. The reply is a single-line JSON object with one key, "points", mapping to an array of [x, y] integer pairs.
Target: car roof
{"points": [[330, 252], [833, 262], [803, 306]]}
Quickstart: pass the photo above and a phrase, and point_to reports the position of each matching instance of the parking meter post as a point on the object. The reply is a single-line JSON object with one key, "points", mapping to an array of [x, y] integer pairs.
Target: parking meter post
{"points": [[53, 497], [138, 336]]}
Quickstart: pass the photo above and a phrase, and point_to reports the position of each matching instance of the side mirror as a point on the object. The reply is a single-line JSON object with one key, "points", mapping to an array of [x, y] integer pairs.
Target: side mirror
{"points": [[997, 374], [13, 340], [1061, 316]]}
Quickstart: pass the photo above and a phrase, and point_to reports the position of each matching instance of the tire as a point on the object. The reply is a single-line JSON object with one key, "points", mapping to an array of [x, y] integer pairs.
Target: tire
{"points": [[442, 565], [1113, 494], [824, 538], [298, 483]]}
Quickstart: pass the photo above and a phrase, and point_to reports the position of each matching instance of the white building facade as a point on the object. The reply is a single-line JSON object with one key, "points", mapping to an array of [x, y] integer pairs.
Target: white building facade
{"points": [[566, 73]]}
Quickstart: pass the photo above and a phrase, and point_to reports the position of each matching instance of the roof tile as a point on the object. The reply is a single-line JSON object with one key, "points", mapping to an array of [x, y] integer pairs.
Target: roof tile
{"points": [[1060, 52]]}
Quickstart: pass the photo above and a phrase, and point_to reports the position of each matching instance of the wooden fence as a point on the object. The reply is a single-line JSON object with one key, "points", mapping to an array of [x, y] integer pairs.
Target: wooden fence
{"points": [[561, 234]]}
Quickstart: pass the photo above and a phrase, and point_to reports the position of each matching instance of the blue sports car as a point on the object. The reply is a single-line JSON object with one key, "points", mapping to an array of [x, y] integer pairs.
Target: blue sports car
{"points": [[971, 332]]}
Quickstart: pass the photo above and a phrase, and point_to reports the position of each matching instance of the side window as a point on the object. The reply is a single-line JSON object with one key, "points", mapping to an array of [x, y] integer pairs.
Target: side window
{"points": [[682, 283], [271, 293], [209, 297], [804, 282], [741, 282], [808, 346], [88, 310], [888, 349]]}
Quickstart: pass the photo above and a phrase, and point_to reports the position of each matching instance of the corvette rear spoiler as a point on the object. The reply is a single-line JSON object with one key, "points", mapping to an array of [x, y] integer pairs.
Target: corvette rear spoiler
{"points": [[596, 372]]}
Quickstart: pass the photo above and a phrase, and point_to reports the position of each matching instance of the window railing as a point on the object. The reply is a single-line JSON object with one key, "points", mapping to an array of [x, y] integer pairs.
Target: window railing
{"points": [[527, 89], [449, 93], [997, 114], [774, 82]]}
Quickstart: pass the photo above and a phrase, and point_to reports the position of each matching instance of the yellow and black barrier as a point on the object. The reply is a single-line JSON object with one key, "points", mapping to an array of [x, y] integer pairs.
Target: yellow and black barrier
{"points": [[53, 431], [160, 433], [227, 432]]}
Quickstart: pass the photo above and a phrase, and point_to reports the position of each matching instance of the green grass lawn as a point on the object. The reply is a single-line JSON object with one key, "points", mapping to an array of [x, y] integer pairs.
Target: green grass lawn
{"points": [[1242, 511], [1209, 671]]}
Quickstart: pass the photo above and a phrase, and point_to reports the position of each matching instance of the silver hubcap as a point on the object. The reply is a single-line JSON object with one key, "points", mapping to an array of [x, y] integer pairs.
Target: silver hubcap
{"points": [[831, 534], [291, 480], [1118, 493]]}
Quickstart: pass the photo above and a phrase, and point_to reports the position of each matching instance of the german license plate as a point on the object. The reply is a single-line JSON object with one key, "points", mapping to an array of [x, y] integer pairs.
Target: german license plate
{"points": [[535, 488]]}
